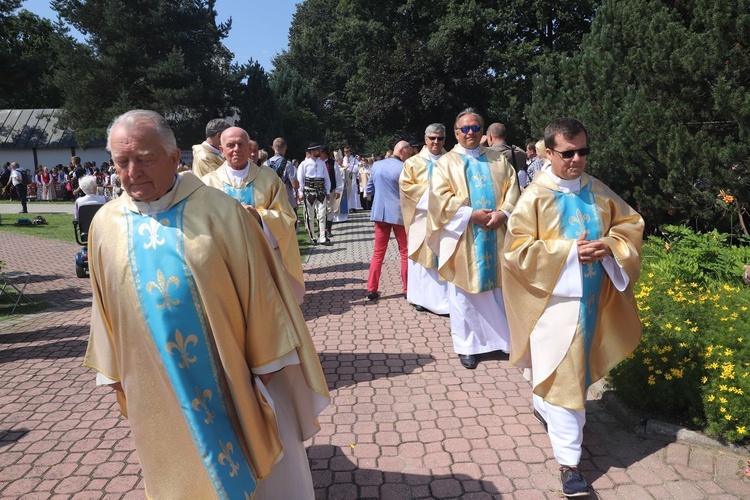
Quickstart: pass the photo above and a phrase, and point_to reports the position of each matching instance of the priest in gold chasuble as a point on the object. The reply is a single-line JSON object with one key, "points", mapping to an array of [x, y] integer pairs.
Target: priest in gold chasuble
{"points": [[262, 193], [424, 290], [196, 328], [473, 190], [572, 254]]}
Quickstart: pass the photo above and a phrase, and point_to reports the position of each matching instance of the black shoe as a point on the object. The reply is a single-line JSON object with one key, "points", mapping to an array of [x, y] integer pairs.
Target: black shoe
{"points": [[468, 361], [314, 242], [373, 296], [573, 482], [23, 212], [419, 308], [541, 420], [328, 243], [329, 235]]}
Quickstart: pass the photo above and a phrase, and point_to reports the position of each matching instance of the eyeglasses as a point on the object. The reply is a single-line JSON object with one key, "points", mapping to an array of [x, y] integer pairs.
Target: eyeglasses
{"points": [[571, 153], [435, 138], [465, 129]]}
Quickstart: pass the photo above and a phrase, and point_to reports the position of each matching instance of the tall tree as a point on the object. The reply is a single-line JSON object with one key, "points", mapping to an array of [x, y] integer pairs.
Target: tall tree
{"points": [[663, 89], [28, 59], [165, 55], [299, 108], [256, 104]]}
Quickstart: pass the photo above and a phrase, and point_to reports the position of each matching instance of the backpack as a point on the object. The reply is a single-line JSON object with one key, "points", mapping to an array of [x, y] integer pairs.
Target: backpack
{"points": [[26, 176], [279, 167]]}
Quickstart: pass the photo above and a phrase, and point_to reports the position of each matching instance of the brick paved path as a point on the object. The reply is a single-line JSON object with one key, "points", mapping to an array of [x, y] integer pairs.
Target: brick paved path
{"points": [[407, 421]]}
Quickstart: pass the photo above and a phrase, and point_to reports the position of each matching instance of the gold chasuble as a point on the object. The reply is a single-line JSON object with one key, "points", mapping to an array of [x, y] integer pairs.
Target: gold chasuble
{"points": [[604, 324], [263, 189], [192, 283], [414, 183], [494, 185], [205, 160]]}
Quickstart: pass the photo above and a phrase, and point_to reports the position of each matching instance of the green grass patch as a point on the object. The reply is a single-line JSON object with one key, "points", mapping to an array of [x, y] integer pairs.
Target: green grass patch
{"points": [[7, 301], [58, 227]]}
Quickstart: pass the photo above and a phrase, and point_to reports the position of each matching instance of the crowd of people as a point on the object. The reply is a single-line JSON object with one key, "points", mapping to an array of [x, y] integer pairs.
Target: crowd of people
{"points": [[520, 248]]}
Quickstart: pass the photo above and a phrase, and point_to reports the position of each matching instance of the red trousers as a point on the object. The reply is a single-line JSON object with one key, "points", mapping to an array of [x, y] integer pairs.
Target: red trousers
{"points": [[382, 235]]}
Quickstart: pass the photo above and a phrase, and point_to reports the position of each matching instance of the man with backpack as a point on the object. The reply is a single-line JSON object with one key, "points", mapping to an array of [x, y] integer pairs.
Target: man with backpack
{"points": [[19, 183], [285, 170], [516, 156]]}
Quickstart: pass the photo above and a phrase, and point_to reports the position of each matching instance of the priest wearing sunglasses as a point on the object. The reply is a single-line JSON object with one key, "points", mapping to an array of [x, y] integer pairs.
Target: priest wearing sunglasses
{"points": [[571, 257], [473, 191]]}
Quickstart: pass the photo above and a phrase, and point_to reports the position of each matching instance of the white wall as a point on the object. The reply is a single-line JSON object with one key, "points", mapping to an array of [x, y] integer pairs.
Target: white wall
{"points": [[51, 157]]}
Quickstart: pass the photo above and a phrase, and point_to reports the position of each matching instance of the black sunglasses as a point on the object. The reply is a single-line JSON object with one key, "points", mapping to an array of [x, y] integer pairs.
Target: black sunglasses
{"points": [[436, 138], [465, 129], [571, 153]]}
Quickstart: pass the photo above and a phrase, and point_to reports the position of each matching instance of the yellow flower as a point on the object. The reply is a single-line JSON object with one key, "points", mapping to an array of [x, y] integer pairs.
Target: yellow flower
{"points": [[739, 339], [722, 387], [651, 380], [694, 329], [728, 352], [683, 344], [646, 361], [728, 417], [667, 376], [711, 397], [704, 380], [677, 328], [741, 430], [668, 325], [723, 401], [723, 410]]}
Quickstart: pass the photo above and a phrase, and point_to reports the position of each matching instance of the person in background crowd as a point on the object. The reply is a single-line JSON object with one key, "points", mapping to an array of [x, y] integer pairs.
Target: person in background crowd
{"points": [[19, 184], [425, 290], [383, 186], [88, 185], [314, 190], [207, 155]]}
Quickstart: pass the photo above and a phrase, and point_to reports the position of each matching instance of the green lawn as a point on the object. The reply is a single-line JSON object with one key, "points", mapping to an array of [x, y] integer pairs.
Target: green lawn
{"points": [[58, 227]]}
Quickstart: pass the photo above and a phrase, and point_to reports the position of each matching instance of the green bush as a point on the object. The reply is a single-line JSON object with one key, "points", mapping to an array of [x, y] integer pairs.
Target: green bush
{"points": [[693, 363]]}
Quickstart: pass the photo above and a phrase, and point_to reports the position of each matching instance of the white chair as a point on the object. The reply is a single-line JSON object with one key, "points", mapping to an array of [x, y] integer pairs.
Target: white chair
{"points": [[15, 280]]}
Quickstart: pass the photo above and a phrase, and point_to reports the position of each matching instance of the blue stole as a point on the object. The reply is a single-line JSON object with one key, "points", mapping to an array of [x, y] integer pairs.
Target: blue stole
{"points": [[344, 200], [174, 315], [244, 195], [578, 213], [430, 166], [482, 195]]}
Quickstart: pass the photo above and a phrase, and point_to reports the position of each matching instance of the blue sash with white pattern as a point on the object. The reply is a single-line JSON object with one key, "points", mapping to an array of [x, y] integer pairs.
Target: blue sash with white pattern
{"points": [[578, 213], [430, 167], [175, 318], [482, 195], [244, 195], [344, 200]]}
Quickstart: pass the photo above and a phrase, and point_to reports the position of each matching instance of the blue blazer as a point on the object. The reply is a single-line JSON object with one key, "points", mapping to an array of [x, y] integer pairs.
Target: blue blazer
{"points": [[384, 188]]}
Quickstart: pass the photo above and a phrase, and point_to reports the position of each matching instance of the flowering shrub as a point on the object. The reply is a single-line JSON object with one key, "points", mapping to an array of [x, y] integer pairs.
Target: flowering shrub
{"points": [[693, 362]]}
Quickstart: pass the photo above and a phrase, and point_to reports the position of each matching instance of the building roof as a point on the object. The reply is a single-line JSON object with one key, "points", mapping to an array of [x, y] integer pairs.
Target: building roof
{"points": [[33, 128]]}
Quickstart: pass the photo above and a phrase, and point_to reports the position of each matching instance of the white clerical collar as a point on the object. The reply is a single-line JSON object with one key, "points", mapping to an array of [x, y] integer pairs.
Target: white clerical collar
{"points": [[238, 176], [216, 151], [474, 153], [566, 185], [433, 157], [160, 204]]}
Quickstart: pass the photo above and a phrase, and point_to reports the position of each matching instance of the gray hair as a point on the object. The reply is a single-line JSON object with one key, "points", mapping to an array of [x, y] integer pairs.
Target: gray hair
{"points": [[132, 118], [469, 111], [88, 184], [435, 128], [216, 126]]}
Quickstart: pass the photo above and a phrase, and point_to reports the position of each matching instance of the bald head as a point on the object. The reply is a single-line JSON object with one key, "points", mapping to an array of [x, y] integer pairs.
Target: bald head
{"points": [[235, 146], [402, 150]]}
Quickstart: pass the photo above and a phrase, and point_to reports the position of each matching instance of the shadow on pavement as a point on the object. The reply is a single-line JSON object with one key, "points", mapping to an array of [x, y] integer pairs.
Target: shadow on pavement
{"points": [[343, 369], [343, 268], [10, 436], [335, 475], [50, 350]]}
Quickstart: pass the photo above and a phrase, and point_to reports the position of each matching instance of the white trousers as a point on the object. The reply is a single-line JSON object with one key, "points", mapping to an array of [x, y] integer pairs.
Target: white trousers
{"points": [[565, 429], [316, 210], [478, 321]]}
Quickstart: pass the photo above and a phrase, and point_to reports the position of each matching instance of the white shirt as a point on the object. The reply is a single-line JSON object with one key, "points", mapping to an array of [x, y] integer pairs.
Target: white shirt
{"points": [[315, 169]]}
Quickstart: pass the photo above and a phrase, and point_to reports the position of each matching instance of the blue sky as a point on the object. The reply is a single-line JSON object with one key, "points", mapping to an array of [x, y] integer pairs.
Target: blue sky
{"points": [[259, 29]]}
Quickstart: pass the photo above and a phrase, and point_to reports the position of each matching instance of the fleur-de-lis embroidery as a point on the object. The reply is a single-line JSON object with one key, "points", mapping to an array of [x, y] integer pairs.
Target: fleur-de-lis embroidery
{"points": [[181, 345], [487, 258], [590, 300], [226, 456], [489, 284], [580, 219], [590, 271], [163, 286], [201, 403], [152, 227], [478, 180], [482, 203]]}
